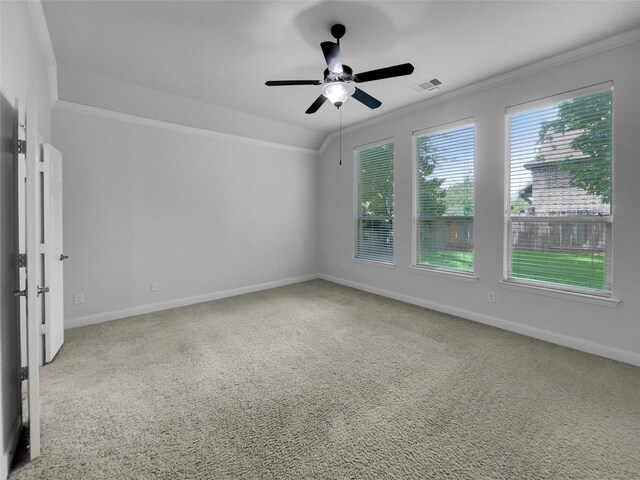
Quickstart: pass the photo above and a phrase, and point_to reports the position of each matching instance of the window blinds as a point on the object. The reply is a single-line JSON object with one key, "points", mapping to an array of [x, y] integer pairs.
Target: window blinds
{"points": [[559, 217], [444, 197], [374, 202]]}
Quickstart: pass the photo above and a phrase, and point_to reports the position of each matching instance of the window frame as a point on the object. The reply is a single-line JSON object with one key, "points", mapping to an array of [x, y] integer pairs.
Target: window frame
{"points": [[415, 242], [356, 206], [545, 287]]}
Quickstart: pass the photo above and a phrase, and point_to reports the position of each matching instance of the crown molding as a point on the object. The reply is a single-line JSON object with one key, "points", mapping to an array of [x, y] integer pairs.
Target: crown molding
{"points": [[37, 12], [42, 31], [327, 141], [175, 127], [577, 54], [46, 46]]}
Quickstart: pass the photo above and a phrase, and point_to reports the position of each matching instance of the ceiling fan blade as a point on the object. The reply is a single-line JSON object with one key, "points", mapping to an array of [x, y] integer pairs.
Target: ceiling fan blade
{"points": [[331, 53], [282, 83], [365, 98], [381, 73], [317, 104]]}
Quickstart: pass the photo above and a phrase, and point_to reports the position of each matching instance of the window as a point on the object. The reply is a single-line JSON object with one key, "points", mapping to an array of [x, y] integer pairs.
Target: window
{"points": [[443, 197], [374, 202], [560, 191]]}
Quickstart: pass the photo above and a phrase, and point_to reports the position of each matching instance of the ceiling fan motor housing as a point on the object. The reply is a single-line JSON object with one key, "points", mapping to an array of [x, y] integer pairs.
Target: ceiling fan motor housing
{"points": [[345, 76]]}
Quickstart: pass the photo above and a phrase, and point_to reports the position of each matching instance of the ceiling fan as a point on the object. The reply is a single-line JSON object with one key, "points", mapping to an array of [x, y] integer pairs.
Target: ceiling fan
{"points": [[339, 79]]}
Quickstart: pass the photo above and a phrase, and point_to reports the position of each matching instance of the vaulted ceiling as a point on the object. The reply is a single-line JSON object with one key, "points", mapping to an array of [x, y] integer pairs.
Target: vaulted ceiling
{"points": [[221, 53]]}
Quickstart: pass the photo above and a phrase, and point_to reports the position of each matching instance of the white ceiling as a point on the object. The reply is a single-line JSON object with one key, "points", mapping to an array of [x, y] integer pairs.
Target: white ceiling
{"points": [[221, 53]]}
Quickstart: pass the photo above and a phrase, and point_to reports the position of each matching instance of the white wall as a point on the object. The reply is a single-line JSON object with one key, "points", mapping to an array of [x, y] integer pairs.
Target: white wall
{"points": [[201, 216], [24, 75], [605, 330], [94, 90]]}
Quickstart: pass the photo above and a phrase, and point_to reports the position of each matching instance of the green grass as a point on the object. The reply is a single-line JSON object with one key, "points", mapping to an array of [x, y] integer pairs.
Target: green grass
{"points": [[454, 260], [575, 269]]}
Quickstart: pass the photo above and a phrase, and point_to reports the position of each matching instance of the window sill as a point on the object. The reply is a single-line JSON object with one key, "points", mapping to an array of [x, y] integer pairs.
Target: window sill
{"points": [[551, 292], [378, 263], [465, 277]]}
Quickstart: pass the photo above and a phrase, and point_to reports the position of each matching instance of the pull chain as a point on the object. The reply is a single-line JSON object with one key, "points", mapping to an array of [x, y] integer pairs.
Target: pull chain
{"points": [[340, 136]]}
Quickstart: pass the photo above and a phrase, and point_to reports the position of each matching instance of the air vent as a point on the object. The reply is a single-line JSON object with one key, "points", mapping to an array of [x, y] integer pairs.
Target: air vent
{"points": [[427, 86]]}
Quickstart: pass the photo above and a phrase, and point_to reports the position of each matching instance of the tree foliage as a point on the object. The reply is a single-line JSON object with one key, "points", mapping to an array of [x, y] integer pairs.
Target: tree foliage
{"points": [[431, 195], [519, 206], [375, 198], [459, 199], [590, 115], [376, 181]]}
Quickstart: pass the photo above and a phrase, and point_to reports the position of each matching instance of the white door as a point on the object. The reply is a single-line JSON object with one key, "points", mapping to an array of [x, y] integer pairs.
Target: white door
{"points": [[30, 314], [51, 178]]}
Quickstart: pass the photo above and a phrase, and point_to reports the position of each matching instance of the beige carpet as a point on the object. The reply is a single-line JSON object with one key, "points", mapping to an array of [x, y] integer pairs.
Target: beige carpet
{"points": [[316, 380]]}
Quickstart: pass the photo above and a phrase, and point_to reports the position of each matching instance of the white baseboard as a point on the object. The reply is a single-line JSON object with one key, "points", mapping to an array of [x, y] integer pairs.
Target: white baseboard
{"points": [[180, 302], [551, 337], [10, 449], [556, 338]]}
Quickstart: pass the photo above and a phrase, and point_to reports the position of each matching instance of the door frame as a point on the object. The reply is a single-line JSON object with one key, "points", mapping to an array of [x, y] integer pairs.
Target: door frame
{"points": [[29, 312]]}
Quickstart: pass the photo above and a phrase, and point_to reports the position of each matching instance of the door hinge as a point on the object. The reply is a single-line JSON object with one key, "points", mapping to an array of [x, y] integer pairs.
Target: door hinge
{"points": [[44, 329], [22, 260], [24, 373], [22, 146]]}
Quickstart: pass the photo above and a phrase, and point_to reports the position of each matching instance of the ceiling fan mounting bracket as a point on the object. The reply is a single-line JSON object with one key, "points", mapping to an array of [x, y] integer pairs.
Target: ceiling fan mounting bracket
{"points": [[338, 30]]}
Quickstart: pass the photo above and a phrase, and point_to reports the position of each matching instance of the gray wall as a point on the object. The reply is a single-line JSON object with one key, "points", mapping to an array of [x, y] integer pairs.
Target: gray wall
{"points": [[23, 75], [85, 88], [601, 329], [203, 216]]}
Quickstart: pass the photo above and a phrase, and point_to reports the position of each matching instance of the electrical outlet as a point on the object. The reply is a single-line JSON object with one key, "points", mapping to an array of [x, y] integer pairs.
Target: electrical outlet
{"points": [[78, 298], [276, 267], [491, 298], [154, 287]]}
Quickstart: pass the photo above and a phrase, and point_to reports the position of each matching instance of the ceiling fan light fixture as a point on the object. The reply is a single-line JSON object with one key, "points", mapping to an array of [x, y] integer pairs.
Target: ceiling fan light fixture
{"points": [[338, 92]]}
